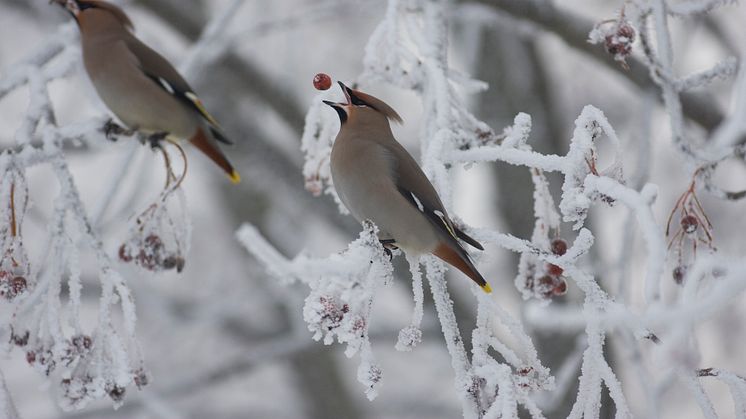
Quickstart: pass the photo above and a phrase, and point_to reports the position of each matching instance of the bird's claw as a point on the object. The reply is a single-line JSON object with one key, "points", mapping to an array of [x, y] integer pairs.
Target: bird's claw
{"points": [[155, 139], [388, 246], [112, 130]]}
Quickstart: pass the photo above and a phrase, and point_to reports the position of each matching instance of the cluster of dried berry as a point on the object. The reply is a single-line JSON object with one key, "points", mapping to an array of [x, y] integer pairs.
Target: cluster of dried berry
{"points": [[550, 282], [616, 36], [77, 347], [78, 388], [332, 313], [150, 253], [12, 284], [619, 42], [42, 358]]}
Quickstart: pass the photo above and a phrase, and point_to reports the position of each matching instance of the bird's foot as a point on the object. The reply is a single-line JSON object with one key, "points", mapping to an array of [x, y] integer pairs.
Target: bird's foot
{"points": [[388, 246], [155, 139], [112, 131]]}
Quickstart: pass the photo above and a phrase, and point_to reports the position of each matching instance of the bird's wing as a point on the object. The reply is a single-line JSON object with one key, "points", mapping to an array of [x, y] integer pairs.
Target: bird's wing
{"points": [[417, 189], [167, 78]]}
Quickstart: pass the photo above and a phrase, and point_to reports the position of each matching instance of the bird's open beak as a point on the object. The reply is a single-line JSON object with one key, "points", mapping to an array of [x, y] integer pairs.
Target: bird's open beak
{"points": [[347, 91], [341, 108]]}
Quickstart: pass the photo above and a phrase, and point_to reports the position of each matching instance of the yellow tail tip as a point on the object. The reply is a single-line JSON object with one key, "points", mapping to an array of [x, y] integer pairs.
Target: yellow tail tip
{"points": [[486, 288], [235, 177]]}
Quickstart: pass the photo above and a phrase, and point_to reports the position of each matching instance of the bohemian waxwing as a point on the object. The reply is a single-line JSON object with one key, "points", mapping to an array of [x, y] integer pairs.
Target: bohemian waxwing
{"points": [[378, 180], [139, 86]]}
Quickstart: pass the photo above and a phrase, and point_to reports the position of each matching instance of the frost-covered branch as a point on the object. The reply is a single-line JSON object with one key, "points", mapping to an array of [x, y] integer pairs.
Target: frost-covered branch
{"points": [[409, 50], [87, 356], [573, 29]]}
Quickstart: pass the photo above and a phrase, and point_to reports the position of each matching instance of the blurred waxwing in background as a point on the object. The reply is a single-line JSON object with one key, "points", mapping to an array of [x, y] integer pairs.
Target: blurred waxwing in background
{"points": [[139, 86], [378, 180]]}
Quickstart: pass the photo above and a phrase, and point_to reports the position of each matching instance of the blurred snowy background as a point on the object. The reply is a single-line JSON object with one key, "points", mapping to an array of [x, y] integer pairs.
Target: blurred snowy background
{"points": [[224, 339]]}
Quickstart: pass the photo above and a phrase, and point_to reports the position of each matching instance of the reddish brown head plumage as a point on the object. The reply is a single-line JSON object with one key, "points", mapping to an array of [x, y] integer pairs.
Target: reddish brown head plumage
{"points": [[98, 6]]}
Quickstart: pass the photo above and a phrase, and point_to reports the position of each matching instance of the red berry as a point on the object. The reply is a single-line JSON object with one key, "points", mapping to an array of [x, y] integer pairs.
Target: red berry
{"points": [[554, 270], [560, 288], [124, 254], [322, 81], [689, 223], [559, 247]]}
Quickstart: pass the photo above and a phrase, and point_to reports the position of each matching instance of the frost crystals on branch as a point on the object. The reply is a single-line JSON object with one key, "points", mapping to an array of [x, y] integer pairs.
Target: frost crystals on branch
{"points": [[44, 316], [342, 291]]}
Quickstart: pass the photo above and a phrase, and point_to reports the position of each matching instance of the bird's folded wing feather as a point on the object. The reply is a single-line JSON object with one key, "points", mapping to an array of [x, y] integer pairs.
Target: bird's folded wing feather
{"points": [[416, 188], [167, 78]]}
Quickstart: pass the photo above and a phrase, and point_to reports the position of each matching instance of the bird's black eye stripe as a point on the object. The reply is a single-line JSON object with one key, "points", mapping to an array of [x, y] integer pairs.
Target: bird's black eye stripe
{"points": [[356, 101], [83, 6], [359, 102]]}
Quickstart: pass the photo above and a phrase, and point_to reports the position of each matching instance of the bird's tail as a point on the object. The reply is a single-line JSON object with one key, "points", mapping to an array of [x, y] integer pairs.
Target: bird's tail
{"points": [[460, 260], [211, 150]]}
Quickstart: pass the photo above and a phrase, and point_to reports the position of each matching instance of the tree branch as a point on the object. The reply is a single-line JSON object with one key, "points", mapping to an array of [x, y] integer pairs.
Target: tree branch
{"points": [[574, 29]]}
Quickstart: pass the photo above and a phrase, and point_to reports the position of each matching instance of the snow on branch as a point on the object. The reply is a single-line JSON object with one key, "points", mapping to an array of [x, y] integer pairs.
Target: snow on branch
{"points": [[342, 287], [45, 318], [46, 324]]}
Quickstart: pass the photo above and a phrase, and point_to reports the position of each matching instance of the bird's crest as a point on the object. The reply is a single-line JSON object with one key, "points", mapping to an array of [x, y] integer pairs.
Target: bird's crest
{"points": [[111, 8], [376, 104]]}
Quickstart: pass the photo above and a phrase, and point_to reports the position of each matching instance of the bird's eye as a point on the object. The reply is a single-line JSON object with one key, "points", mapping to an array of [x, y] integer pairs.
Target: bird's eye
{"points": [[83, 6], [356, 101]]}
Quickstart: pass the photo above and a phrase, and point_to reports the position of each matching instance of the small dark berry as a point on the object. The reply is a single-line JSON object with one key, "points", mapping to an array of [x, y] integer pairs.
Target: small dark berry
{"points": [[689, 223], [560, 288], [169, 262], [31, 357], [559, 247], [116, 393], [678, 274], [554, 270], [124, 254]]}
